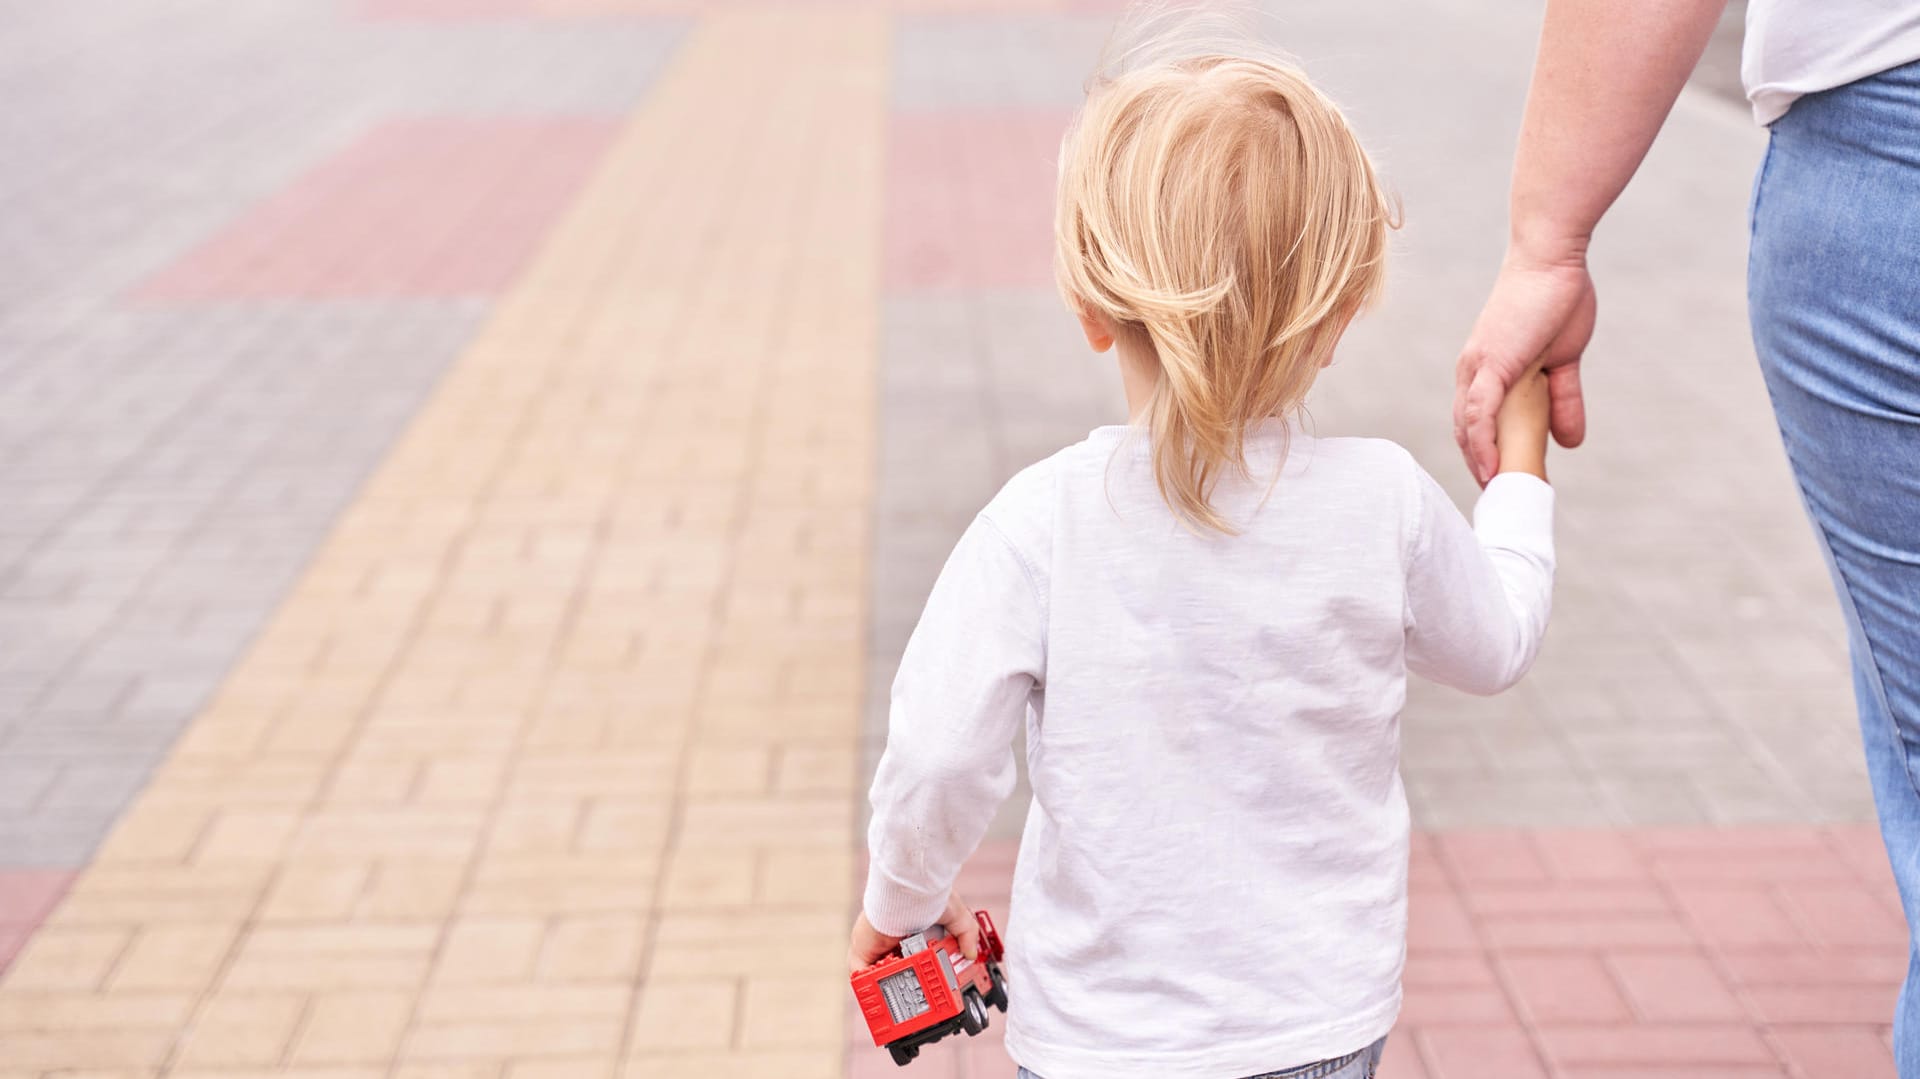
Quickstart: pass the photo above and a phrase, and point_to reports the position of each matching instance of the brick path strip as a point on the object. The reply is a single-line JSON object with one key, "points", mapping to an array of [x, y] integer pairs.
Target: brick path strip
{"points": [[546, 766], [1758, 953]]}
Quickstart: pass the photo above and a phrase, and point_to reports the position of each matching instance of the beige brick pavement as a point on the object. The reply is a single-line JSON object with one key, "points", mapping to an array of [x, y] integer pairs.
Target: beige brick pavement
{"points": [[546, 767]]}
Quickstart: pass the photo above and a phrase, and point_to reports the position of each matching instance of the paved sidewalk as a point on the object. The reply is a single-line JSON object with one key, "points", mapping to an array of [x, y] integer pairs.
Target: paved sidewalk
{"points": [[544, 766]]}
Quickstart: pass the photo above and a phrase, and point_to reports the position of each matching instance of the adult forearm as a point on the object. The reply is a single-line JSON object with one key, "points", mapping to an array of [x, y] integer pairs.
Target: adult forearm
{"points": [[1607, 73]]}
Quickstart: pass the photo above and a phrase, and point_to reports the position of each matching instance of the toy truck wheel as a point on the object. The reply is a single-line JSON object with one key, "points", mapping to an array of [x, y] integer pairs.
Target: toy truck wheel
{"points": [[973, 1019], [903, 1054], [997, 996]]}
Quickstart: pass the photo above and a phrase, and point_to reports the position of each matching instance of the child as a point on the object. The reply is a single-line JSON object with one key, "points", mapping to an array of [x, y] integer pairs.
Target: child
{"points": [[1205, 619]]}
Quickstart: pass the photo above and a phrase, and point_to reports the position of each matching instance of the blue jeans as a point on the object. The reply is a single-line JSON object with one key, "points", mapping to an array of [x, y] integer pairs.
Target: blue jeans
{"points": [[1833, 286], [1359, 1065]]}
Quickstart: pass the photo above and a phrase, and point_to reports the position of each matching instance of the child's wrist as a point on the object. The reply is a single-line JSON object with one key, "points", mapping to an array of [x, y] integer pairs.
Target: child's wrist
{"points": [[1530, 458]]}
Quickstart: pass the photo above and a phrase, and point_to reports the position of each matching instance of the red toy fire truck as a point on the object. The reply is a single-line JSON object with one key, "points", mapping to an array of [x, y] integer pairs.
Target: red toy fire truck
{"points": [[926, 990]]}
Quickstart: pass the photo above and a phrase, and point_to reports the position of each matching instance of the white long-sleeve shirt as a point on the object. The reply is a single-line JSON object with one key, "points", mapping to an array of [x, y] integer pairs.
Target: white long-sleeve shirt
{"points": [[1212, 881]]}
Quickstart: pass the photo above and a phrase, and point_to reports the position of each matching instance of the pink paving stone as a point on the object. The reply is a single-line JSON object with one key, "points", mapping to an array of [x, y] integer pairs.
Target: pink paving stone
{"points": [[1456, 1005], [1706, 840], [1860, 847], [1437, 921], [1852, 1052], [1589, 854], [1447, 970], [12, 939], [1737, 916], [986, 886], [1650, 1044], [1478, 1053], [1480, 857], [970, 198], [1842, 1004], [1568, 898], [1884, 968], [1585, 932], [1679, 1072], [1423, 864], [1840, 915], [27, 896], [935, 1062], [1746, 866], [417, 208], [986, 1056], [1565, 989], [1675, 987], [1402, 1058]]}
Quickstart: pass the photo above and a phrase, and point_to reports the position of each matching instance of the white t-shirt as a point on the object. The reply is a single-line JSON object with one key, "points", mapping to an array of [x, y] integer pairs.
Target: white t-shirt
{"points": [[1796, 47], [1213, 878]]}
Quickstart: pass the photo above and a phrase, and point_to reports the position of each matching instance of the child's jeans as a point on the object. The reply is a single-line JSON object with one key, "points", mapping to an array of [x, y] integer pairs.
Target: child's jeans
{"points": [[1360, 1065]]}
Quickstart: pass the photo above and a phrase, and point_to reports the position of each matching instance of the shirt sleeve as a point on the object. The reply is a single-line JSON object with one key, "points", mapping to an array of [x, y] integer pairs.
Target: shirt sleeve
{"points": [[959, 698], [1478, 597]]}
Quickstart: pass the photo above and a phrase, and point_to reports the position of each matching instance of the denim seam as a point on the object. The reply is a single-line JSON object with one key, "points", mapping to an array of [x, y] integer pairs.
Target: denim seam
{"points": [[1844, 589]]}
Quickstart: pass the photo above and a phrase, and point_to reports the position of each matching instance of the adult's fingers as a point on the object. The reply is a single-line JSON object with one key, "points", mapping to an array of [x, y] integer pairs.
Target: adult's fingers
{"points": [[1478, 407], [1567, 415], [1566, 409], [1464, 370]]}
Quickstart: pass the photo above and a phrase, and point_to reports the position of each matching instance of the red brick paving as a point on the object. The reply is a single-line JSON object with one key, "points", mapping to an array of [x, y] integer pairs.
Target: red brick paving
{"points": [[970, 197], [1751, 953], [394, 215], [26, 897]]}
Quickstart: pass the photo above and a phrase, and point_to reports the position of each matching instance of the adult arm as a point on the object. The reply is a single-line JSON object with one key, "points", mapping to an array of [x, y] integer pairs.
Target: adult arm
{"points": [[1605, 77]]}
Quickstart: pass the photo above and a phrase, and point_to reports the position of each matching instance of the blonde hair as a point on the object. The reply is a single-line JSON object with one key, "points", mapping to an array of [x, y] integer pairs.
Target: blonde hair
{"points": [[1218, 208]]}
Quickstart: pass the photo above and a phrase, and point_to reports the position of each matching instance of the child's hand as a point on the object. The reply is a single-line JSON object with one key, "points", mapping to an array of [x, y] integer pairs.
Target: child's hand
{"points": [[1521, 430], [869, 944]]}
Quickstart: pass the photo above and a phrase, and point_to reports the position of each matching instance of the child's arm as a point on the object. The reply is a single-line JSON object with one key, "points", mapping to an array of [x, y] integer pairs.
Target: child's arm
{"points": [[1478, 597], [960, 696], [1522, 426]]}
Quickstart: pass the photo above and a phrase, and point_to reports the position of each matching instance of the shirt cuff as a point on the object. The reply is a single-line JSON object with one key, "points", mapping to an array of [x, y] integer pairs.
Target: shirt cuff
{"points": [[897, 912], [1515, 511]]}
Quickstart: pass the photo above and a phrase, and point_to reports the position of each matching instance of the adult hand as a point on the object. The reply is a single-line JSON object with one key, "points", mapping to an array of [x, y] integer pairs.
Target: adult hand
{"points": [[1540, 311]]}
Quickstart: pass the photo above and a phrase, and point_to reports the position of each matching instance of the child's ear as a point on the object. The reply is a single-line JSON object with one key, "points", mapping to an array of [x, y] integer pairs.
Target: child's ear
{"points": [[1099, 332], [1338, 328]]}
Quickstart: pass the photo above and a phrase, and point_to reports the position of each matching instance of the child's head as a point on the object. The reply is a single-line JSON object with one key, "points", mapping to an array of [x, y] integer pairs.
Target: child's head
{"points": [[1219, 218]]}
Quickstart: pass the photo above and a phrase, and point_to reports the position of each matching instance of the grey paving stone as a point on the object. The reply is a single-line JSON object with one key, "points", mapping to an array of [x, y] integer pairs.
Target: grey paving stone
{"points": [[169, 559], [167, 472], [51, 839], [58, 739], [93, 785], [1636, 799], [24, 783], [1498, 800], [983, 60]]}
